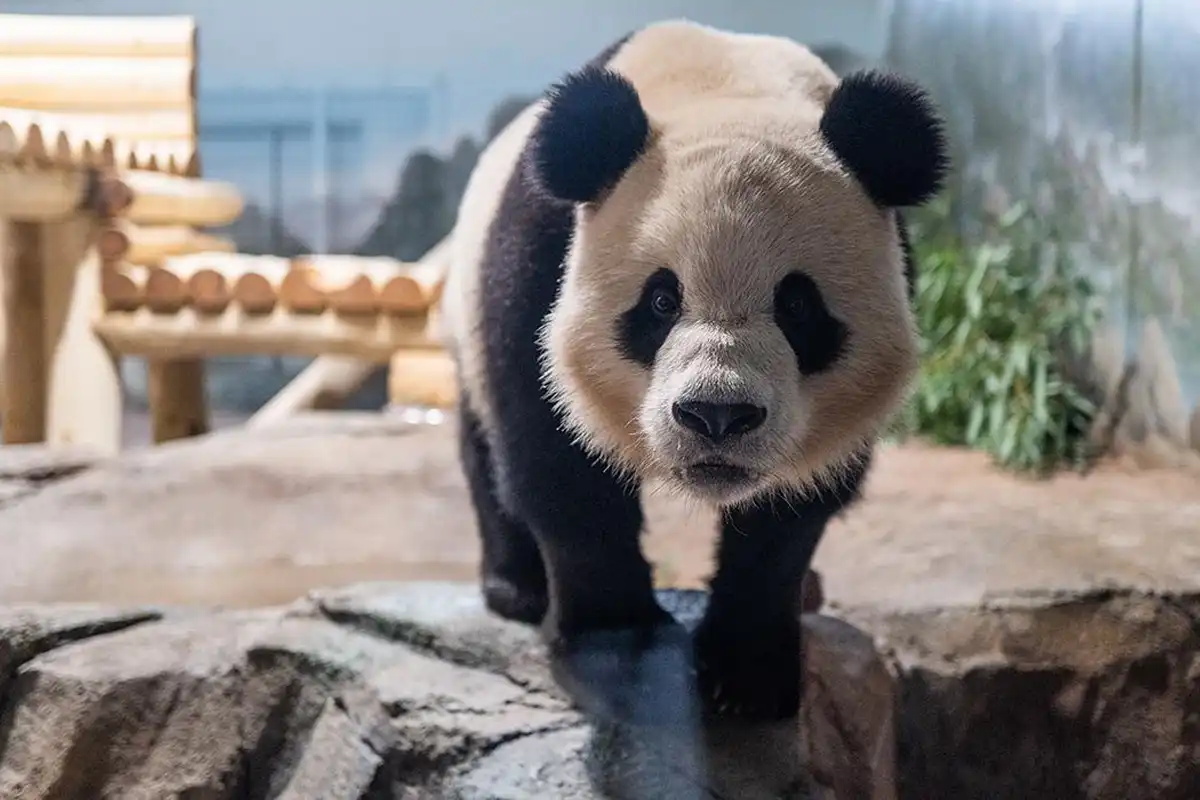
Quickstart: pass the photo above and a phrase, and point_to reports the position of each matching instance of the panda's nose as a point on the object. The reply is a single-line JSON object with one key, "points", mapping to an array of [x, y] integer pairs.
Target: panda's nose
{"points": [[718, 421]]}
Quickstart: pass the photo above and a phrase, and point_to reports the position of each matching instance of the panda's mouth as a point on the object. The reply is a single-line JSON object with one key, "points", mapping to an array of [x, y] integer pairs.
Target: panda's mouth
{"points": [[716, 475]]}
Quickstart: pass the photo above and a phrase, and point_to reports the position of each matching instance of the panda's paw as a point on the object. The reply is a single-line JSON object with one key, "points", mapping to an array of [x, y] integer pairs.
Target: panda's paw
{"points": [[751, 677], [638, 676], [510, 601]]}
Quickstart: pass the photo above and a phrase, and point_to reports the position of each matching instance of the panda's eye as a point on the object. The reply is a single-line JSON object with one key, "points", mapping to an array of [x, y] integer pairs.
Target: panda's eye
{"points": [[795, 307], [665, 303]]}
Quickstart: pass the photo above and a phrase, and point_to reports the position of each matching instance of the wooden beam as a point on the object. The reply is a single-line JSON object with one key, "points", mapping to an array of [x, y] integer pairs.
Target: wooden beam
{"points": [[166, 131], [178, 405], [84, 381], [330, 379], [360, 285], [152, 245], [7, 252], [77, 35], [422, 378], [325, 384], [28, 194], [213, 281], [189, 334], [102, 83], [162, 199], [24, 359]]}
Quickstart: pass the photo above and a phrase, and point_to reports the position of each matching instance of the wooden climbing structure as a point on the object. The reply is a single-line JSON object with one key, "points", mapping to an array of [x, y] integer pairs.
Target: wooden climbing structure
{"points": [[104, 252]]}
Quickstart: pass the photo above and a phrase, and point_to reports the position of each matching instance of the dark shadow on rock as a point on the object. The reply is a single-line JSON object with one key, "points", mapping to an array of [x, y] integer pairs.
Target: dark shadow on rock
{"points": [[688, 759]]}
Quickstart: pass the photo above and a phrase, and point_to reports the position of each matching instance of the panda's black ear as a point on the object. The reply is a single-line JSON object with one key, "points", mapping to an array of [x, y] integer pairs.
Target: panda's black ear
{"points": [[592, 130], [888, 133]]}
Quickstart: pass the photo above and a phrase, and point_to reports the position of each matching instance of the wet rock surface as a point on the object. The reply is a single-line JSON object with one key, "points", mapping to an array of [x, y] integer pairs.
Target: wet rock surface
{"points": [[372, 691]]}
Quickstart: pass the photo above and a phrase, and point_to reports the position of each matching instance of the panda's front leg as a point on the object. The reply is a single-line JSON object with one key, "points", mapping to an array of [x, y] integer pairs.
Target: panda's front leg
{"points": [[615, 650], [748, 653]]}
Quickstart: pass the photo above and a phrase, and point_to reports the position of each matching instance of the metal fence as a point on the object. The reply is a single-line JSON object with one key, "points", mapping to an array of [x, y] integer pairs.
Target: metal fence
{"points": [[1090, 108]]}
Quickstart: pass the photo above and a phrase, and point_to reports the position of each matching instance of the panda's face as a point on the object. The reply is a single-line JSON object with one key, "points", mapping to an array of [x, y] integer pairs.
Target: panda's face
{"points": [[734, 319]]}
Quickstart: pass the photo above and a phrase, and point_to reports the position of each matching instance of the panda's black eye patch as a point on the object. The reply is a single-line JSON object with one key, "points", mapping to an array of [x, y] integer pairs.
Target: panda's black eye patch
{"points": [[816, 336], [642, 329]]}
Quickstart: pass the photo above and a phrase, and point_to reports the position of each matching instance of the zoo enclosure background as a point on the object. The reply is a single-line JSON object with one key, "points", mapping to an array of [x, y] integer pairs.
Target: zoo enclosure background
{"points": [[1083, 107]]}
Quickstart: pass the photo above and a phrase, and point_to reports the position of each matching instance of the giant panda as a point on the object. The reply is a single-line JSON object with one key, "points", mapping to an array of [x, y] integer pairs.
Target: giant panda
{"points": [[683, 267]]}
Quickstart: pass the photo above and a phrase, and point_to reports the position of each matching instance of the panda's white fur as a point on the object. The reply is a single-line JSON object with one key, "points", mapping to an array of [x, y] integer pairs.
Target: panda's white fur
{"points": [[458, 318], [683, 265]]}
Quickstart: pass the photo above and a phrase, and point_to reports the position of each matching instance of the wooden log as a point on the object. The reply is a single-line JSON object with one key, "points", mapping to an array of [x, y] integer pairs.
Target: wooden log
{"points": [[23, 361], [164, 292], [161, 199], [71, 35], [123, 286], [187, 333], [99, 84], [300, 291], [215, 280], [422, 378], [331, 378], [206, 279], [28, 194], [346, 284], [178, 404], [152, 245], [6, 254], [107, 196], [60, 137], [402, 294], [363, 285], [256, 291], [112, 244], [84, 381]]}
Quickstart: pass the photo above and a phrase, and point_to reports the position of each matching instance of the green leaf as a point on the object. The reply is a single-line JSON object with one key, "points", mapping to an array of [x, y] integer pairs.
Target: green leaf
{"points": [[1000, 314]]}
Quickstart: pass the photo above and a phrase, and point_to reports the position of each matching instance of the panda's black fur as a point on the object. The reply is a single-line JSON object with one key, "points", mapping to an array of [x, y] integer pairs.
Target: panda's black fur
{"points": [[527, 473]]}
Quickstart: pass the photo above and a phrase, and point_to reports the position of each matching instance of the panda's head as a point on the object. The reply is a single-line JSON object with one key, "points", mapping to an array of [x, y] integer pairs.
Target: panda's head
{"points": [[734, 318]]}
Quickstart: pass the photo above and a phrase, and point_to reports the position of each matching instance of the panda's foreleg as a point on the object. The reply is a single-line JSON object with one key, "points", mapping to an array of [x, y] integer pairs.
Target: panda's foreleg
{"points": [[748, 649], [512, 573], [612, 646]]}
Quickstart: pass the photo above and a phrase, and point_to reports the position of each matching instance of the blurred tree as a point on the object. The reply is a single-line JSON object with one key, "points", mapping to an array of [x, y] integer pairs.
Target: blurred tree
{"points": [[505, 112], [425, 202], [415, 218], [841, 59], [258, 232]]}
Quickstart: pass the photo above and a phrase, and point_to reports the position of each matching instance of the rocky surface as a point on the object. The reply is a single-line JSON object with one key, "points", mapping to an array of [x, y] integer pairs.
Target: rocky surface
{"points": [[1143, 416], [380, 691], [1040, 637]]}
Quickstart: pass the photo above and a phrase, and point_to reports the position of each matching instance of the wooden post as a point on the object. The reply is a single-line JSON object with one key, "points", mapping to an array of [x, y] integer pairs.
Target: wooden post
{"points": [[23, 414], [178, 405], [324, 384], [84, 380], [6, 254], [422, 378]]}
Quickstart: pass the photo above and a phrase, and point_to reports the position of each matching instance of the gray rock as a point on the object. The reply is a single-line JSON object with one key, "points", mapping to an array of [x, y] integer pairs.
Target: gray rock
{"points": [[373, 691], [1089, 696], [1043, 635], [24, 468], [40, 463]]}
